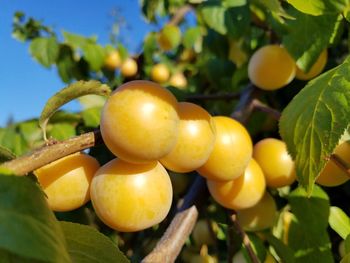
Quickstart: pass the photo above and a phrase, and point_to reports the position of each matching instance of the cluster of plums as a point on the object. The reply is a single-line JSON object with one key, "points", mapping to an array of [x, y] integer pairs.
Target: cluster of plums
{"points": [[150, 132]]}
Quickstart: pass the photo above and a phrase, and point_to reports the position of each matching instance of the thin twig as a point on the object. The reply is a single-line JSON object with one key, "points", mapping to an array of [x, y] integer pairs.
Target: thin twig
{"points": [[170, 245], [52, 152], [179, 15], [245, 238], [343, 165], [258, 105], [225, 96], [244, 106]]}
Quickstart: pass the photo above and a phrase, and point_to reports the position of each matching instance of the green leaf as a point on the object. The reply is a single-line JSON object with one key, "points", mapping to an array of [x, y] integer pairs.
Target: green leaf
{"points": [[275, 7], [307, 237], [315, 32], [315, 120], [233, 3], [69, 93], [65, 63], [28, 227], [191, 36], [30, 130], [44, 50], [6, 154], [94, 54], [62, 131], [77, 41], [213, 14], [347, 244], [92, 101], [92, 116], [283, 251], [339, 222], [237, 21], [86, 244], [319, 7], [8, 257], [346, 259]]}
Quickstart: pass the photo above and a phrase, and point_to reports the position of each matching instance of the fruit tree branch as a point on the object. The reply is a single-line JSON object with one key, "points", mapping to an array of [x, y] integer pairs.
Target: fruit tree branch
{"points": [[170, 245], [179, 15], [52, 152]]}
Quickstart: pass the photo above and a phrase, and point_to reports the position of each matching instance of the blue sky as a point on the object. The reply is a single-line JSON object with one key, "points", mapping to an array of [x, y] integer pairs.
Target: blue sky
{"points": [[25, 85]]}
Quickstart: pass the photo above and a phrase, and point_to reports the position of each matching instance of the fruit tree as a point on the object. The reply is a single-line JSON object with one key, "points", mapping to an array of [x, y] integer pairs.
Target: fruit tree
{"points": [[222, 140]]}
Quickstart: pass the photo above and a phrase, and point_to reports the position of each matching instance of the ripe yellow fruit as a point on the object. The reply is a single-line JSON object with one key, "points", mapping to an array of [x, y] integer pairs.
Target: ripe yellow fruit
{"points": [[66, 182], [140, 122], [113, 60], [332, 175], [232, 151], [131, 197], [160, 73], [316, 68], [271, 67], [260, 216], [129, 68], [195, 140], [178, 80], [241, 193], [278, 167]]}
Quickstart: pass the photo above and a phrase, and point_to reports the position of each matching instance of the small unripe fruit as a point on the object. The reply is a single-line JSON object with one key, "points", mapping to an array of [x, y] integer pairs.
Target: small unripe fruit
{"points": [[113, 60], [129, 68], [332, 175], [140, 122], [66, 182], [160, 73], [316, 68], [195, 140], [271, 67], [260, 216], [202, 234], [232, 151], [278, 167], [131, 197], [241, 193], [169, 37]]}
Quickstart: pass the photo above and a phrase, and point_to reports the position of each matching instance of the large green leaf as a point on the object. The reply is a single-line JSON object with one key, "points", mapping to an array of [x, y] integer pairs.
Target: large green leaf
{"points": [[307, 234], [226, 18], [339, 222], [314, 121], [69, 93], [94, 54], [86, 244], [28, 227], [62, 131], [14, 141], [308, 36], [319, 7], [45, 50], [214, 16], [282, 250]]}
